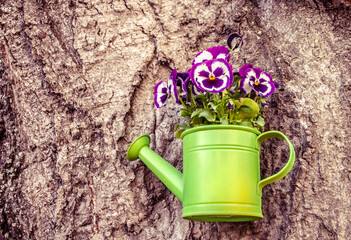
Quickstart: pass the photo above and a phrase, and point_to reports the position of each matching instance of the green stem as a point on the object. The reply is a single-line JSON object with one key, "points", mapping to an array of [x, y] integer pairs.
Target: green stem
{"points": [[182, 102], [204, 102], [192, 98]]}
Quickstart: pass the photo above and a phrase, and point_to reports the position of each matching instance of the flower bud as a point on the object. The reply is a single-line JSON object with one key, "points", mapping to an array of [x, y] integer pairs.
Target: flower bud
{"points": [[234, 42]]}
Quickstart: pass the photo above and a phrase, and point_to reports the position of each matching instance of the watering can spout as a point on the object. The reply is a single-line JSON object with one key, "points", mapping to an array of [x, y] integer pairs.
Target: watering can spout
{"points": [[169, 175]]}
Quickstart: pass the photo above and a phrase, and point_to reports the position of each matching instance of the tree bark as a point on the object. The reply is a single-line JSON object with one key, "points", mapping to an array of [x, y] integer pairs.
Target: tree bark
{"points": [[76, 89]]}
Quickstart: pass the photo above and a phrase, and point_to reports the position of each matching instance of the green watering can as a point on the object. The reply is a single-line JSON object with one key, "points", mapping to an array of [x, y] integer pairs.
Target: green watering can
{"points": [[221, 171]]}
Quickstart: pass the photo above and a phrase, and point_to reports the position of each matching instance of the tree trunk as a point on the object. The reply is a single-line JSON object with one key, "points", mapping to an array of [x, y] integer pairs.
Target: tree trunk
{"points": [[76, 89]]}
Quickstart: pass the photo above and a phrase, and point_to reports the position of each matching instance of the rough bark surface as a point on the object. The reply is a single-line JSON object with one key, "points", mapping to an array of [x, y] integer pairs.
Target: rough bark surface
{"points": [[76, 89]]}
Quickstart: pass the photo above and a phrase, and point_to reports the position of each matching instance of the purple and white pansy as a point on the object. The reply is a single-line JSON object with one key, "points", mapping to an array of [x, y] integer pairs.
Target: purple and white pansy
{"points": [[212, 75], [160, 94], [257, 80], [165, 90], [219, 52]]}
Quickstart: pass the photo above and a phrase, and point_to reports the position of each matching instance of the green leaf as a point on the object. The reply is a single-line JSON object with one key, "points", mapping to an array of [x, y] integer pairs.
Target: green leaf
{"points": [[181, 126], [224, 120], [220, 110], [196, 112], [196, 120], [245, 123], [260, 121], [178, 133], [184, 113], [246, 108], [206, 113], [213, 106], [200, 96]]}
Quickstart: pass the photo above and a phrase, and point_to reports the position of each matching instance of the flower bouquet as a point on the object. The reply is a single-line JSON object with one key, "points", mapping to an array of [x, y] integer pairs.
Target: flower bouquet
{"points": [[211, 93]]}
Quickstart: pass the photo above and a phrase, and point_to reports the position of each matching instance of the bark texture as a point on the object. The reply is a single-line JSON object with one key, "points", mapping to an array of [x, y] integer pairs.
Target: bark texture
{"points": [[76, 89]]}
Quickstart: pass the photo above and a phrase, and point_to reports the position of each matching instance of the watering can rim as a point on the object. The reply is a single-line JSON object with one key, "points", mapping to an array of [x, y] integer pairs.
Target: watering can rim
{"points": [[219, 126]]}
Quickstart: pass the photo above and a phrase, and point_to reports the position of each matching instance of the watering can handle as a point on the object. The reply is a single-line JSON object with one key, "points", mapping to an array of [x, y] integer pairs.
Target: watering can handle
{"points": [[285, 169]]}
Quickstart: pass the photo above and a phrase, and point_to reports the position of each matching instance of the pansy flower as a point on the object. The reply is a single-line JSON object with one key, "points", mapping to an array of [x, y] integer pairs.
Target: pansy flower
{"points": [[160, 94], [257, 80], [164, 90], [219, 52], [212, 75], [234, 42]]}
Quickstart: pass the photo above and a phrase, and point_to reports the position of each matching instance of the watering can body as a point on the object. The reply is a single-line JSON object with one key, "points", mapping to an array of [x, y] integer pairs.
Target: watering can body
{"points": [[221, 172]]}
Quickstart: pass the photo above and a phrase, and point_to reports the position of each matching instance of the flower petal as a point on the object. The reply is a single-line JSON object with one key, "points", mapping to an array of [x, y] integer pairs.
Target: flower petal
{"points": [[205, 74], [260, 88], [202, 56], [160, 94], [247, 80], [210, 85], [265, 89], [172, 86], [265, 76], [185, 87], [199, 67], [219, 52], [258, 72], [243, 69], [230, 106], [182, 76], [218, 72], [183, 81], [222, 56]]}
